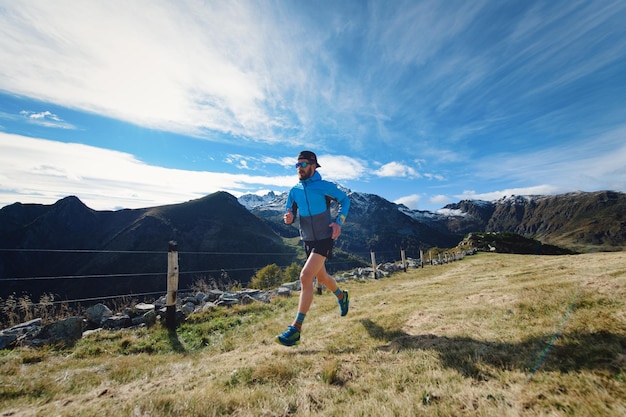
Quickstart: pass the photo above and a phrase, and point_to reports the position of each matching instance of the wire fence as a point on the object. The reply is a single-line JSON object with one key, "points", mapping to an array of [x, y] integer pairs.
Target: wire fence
{"points": [[16, 309], [220, 272]]}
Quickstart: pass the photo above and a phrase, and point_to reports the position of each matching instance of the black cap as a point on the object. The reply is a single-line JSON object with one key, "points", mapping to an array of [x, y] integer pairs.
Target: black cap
{"points": [[310, 156]]}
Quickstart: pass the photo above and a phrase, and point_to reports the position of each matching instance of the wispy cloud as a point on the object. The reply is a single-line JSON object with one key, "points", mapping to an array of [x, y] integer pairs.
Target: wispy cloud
{"points": [[237, 69], [46, 119], [585, 165], [397, 169], [487, 95], [439, 200], [174, 66], [411, 201], [44, 171]]}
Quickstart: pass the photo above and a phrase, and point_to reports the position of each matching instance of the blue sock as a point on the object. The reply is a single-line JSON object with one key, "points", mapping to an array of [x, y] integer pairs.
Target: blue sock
{"points": [[337, 292], [300, 318]]}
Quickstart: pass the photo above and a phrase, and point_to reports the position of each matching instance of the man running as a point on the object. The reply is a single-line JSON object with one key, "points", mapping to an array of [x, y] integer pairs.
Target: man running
{"points": [[310, 198]]}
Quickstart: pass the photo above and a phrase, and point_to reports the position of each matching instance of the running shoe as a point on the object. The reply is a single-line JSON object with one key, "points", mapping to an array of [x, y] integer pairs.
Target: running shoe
{"points": [[344, 303], [290, 337]]}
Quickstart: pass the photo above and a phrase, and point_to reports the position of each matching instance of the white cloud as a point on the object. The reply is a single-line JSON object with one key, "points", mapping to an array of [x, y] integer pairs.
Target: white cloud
{"points": [[334, 167], [46, 119], [411, 201], [176, 66], [337, 167], [42, 171], [385, 83], [239, 161], [495, 195], [396, 169], [286, 162], [439, 199], [438, 177]]}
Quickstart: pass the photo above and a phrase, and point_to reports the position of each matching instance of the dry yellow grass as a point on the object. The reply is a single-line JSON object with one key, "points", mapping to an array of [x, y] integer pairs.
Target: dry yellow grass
{"points": [[492, 335]]}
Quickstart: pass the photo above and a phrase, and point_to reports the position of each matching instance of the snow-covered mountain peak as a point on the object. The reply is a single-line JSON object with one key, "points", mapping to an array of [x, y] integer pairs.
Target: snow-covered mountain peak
{"points": [[252, 201]]}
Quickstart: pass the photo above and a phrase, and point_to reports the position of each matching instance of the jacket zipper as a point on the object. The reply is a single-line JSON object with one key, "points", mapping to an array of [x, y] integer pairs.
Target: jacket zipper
{"points": [[306, 197]]}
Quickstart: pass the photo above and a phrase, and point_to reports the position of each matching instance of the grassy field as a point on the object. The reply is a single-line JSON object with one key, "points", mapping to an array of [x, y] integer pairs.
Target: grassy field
{"points": [[491, 335]]}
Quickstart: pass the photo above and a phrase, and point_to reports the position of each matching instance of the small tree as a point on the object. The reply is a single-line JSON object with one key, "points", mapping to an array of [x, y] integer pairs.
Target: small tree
{"points": [[269, 276], [292, 272]]}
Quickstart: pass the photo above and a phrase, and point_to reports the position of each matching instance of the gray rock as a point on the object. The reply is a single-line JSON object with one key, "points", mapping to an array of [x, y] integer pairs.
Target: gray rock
{"points": [[208, 306], [24, 327], [97, 314], [188, 308], [66, 330], [7, 340], [214, 295], [227, 300], [117, 322], [92, 331], [150, 317], [190, 300], [293, 286], [23, 331], [283, 291], [144, 307]]}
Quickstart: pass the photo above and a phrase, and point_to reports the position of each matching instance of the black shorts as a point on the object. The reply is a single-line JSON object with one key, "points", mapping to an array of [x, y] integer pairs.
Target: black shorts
{"points": [[322, 247]]}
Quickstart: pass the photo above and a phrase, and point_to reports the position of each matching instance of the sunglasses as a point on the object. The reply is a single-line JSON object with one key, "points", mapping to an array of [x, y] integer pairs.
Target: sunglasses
{"points": [[302, 164]]}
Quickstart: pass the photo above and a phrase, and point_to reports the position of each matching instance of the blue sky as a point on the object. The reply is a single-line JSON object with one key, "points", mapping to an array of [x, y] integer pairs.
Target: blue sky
{"points": [[143, 103]]}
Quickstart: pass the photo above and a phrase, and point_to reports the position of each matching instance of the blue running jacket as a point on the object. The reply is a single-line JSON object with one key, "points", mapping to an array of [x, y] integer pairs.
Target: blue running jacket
{"points": [[312, 197]]}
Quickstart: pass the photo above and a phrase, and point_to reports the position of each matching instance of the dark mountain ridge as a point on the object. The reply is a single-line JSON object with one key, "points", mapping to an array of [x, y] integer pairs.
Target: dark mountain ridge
{"points": [[581, 221], [68, 239]]}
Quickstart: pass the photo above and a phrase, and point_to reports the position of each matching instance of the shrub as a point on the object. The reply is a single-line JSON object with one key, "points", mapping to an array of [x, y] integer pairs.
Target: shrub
{"points": [[292, 272], [269, 276]]}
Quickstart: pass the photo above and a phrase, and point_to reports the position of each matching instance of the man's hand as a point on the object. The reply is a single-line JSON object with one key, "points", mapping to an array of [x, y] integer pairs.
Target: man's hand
{"points": [[288, 217], [336, 229]]}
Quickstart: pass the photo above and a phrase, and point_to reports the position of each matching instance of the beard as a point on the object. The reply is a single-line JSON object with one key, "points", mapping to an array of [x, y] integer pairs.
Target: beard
{"points": [[306, 174]]}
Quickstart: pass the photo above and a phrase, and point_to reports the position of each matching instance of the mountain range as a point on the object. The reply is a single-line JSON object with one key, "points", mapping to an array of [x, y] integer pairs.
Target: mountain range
{"points": [[75, 252], [106, 253], [579, 221]]}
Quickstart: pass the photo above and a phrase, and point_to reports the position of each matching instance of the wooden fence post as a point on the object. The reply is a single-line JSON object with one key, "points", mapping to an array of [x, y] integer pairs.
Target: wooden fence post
{"points": [[403, 256], [421, 258], [172, 285], [373, 255]]}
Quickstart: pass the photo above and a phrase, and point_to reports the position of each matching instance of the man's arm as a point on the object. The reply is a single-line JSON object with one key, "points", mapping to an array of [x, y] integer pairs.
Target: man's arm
{"points": [[344, 206], [291, 208]]}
